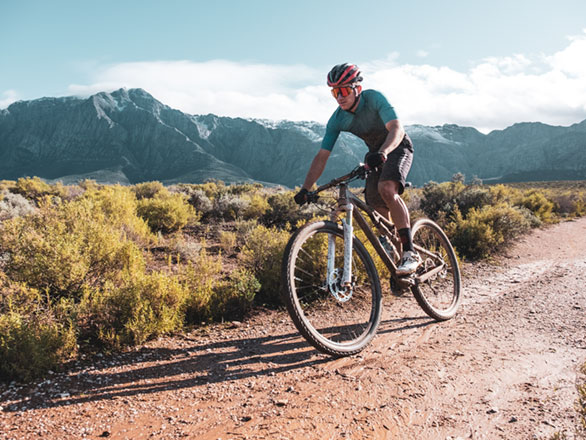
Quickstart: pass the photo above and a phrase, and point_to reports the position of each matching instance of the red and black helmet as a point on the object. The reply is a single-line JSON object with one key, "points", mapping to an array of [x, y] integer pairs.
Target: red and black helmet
{"points": [[343, 74]]}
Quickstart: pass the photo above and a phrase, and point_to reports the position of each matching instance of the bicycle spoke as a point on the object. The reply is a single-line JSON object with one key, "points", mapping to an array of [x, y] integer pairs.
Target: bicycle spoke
{"points": [[332, 318]]}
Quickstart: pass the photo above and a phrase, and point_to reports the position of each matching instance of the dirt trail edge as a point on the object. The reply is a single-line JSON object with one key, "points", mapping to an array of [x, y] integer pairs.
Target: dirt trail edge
{"points": [[505, 367]]}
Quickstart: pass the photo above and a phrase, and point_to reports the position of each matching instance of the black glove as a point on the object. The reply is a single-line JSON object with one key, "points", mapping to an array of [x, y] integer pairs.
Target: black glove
{"points": [[301, 197], [374, 159]]}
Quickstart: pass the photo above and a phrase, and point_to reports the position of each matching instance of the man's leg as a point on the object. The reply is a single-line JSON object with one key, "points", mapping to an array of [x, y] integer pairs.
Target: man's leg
{"points": [[389, 191]]}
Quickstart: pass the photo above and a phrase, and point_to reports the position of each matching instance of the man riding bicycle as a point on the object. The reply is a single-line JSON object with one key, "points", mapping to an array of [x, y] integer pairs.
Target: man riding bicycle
{"points": [[368, 115]]}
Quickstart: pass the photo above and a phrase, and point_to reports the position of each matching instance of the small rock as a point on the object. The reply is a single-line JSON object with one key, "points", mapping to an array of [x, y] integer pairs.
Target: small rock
{"points": [[105, 434], [282, 402], [492, 411], [246, 419], [513, 419]]}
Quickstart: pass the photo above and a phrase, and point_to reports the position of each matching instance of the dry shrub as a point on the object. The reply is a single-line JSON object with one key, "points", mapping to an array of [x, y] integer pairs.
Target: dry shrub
{"points": [[33, 188], [167, 212], [228, 241], [33, 340], [138, 307], [14, 205], [65, 247], [262, 255], [234, 296], [148, 190], [486, 230], [200, 278]]}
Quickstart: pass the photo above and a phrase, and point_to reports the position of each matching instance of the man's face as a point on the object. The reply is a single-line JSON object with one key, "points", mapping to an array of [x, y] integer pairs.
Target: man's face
{"points": [[348, 101]]}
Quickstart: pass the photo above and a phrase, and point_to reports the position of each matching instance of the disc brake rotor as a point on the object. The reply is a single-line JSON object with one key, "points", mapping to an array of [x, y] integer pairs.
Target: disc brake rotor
{"points": [[341, 293]]}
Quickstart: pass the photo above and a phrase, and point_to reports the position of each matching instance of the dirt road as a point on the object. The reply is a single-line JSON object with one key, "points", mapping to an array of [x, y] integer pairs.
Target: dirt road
{"points": [[505, 367]]}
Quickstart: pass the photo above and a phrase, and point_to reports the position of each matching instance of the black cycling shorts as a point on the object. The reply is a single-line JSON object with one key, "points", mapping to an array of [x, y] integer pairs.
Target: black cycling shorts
{"points": [[395, 168]]}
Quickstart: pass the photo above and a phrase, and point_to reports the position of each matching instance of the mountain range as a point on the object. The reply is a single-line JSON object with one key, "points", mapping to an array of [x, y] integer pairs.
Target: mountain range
{"points": [[128, 136]]}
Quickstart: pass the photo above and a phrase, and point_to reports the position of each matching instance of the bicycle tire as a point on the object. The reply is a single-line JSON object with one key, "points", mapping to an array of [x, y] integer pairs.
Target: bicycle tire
{"points": [[438, 296], [334, 327]]}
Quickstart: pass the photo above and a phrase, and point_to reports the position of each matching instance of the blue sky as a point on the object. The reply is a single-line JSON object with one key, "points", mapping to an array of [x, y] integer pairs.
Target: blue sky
{"points": [[481, 64]]}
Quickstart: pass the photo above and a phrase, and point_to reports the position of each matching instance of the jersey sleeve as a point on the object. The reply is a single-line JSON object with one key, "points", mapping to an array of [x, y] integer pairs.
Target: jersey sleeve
{"points": [[385, 110], [331, 136]]}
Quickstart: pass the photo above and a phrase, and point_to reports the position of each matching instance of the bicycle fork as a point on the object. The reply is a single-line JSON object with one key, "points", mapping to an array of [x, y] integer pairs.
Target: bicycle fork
{"points": [[345, 292]]}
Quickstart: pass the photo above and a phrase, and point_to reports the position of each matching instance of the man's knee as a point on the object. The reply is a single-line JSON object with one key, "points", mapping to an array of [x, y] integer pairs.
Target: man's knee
{"points": [[389, 190]]}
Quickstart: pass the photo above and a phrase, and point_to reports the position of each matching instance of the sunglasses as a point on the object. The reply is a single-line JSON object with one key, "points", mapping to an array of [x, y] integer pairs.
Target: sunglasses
{"points": [[344, 91]]}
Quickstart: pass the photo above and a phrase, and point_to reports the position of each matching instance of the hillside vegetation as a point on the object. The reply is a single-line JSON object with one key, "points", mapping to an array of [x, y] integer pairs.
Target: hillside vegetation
{"points": [[97, 268]]}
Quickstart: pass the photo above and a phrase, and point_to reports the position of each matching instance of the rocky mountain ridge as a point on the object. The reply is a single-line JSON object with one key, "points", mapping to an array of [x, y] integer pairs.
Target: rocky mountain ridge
{"points": [[128, 136]]}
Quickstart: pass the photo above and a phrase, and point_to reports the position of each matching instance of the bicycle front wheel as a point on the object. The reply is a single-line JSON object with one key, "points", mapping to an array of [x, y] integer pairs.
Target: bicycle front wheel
{"points": [[336, 320], [439, 294]]}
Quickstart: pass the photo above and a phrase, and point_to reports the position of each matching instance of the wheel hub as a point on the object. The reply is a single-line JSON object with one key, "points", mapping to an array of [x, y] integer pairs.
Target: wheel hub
{"points": [[338, 291]]}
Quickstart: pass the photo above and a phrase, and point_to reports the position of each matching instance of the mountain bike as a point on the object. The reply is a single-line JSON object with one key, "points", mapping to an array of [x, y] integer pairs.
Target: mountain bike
{"points": [[330, 283]]}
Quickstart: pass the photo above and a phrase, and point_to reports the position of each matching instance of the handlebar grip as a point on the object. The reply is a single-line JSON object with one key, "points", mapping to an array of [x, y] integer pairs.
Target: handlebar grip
{"points": [[312, 197]]}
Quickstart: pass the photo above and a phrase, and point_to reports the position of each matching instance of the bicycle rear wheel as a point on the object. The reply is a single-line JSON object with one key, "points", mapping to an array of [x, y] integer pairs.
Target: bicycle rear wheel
{"points": [[333, 320], [439, 295]]}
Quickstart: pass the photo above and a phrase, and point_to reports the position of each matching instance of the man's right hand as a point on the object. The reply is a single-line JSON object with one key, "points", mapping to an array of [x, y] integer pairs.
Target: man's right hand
{"points": [[301, 196], [375, 159]]}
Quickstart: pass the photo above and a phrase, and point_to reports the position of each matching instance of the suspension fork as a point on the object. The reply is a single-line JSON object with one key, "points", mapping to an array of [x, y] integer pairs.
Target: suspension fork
{"points": [[345, 206]]}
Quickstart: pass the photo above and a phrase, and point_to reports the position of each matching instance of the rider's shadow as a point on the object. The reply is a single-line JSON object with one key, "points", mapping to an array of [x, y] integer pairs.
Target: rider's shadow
{"points": [[404, 324], [154, 370]]}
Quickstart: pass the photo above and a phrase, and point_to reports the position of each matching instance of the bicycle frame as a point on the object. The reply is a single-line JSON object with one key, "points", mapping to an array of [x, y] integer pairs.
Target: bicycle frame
{"points": [[353, 207]]}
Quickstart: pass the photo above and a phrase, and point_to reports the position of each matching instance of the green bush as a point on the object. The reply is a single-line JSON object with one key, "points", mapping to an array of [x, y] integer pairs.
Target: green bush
{"points": [[32, 345], [33, 337], [65, 247], [116, 206], [167, 213], [244, 188], [227, 241], [506, 194], [486, 230], [233, 297], [33, 188], [148, 190], [243, 230], [258, 206], [7, 185], [213, 188], [284, 212], [439, 200], [539, 205], [137, 308], [473, 197], [200, 278], [262, 255]]}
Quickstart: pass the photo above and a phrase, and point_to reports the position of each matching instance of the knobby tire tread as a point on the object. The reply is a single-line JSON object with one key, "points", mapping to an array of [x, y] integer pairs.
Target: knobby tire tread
{"points": [[419, 296], [287, 290]]}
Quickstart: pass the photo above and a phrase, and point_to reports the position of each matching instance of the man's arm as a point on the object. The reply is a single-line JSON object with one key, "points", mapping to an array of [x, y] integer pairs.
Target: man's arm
{"points": [[394, 138], [316, 168]]}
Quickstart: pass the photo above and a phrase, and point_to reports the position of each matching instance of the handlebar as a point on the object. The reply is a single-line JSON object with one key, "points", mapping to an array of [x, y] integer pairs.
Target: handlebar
{"points": [[360, 172]]}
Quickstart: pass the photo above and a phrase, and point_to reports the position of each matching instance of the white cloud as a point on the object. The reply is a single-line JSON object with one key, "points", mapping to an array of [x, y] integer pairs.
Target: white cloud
{"points": [[493, 93], [223, 87], [8, 97], [422, 53]]}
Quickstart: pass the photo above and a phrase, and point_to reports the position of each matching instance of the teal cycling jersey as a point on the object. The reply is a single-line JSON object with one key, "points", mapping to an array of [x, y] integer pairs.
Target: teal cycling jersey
{"points": [[367, 122]]}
